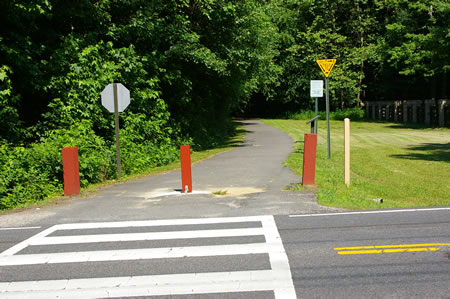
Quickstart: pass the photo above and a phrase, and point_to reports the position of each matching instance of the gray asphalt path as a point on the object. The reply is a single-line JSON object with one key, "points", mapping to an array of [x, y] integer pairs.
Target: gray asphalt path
{"points": [[251, 174]]}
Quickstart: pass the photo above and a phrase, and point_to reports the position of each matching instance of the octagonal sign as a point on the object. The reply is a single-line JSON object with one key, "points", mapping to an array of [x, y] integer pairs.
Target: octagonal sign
{"points": [[123, 97]]}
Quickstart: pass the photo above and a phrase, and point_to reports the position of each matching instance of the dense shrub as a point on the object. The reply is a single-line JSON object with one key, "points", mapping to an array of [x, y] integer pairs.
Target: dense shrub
{"points": [[148, 141], [21, 179], [302, 115], [11, 125], [351, 113], [29, 174]]}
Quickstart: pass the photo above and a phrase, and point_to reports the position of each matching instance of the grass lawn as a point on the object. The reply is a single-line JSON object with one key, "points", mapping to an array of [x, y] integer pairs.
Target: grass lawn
{"points": [[405, 166]]}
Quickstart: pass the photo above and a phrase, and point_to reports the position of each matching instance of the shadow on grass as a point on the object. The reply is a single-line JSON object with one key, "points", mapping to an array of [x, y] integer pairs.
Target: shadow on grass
{"points": [[410, 126], [398, 125], [433, 152], [299, 146]]}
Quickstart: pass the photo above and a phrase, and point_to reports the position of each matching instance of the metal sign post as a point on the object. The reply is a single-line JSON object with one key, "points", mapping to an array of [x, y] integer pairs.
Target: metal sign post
{"points": [[116, 112], [327, 103], [326, 65], [316, 111], [115, 98], [316, 91]]}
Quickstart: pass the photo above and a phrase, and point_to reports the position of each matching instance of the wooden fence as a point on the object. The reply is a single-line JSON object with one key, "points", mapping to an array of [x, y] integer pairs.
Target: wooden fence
{"points": [[410, 111]]}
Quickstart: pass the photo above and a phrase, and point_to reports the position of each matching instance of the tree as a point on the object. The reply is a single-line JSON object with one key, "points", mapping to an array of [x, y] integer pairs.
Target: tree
{"points": [[418, 41]]}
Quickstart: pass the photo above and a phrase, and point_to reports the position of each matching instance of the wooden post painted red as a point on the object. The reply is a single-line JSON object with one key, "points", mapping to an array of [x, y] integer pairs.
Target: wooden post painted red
{"points": [[71, 171], [309, 159], [186, 174]]}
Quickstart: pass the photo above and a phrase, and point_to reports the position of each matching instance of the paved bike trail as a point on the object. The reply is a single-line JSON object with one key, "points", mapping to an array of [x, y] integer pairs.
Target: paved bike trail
{"points": [[250, 179]]}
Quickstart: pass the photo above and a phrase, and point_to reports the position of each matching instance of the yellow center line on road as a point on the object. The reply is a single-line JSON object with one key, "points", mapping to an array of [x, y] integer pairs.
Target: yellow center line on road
{"points": [[411, 249], [392, 246], [375, 249], [387, 250], [360, 252]]}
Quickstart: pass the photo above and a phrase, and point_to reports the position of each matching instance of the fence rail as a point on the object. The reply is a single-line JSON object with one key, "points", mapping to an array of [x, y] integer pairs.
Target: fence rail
{"points": [[429, 112]]}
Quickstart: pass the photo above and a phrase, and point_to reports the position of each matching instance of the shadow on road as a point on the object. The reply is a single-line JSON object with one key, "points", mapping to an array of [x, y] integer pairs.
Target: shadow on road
{"points": [[238, 129]]}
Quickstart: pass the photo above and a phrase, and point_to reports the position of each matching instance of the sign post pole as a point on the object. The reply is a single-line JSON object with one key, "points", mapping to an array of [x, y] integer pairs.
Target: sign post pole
{"points": [[326, 65], [116, 98], [327, 102], [316, 112], [316, 91], [116, 112]]}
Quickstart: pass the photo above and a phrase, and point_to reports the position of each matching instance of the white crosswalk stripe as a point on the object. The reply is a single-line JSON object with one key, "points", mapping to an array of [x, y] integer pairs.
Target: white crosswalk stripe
{"points": [[276, 279]]}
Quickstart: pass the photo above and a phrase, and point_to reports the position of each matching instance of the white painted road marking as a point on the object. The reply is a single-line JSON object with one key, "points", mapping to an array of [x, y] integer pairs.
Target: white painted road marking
{"points": [[372, 212], [154, 285], [278, 279], [18, 247], [136, 254]]}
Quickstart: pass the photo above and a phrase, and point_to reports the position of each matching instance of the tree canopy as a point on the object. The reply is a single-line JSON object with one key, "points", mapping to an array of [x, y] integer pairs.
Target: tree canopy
{"points": [[204, 60], [191, 65]]}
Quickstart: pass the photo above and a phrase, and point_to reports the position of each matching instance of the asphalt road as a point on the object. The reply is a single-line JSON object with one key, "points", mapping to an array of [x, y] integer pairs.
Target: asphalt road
{"points": [[379, 254], [384, 254], [142, 239]]}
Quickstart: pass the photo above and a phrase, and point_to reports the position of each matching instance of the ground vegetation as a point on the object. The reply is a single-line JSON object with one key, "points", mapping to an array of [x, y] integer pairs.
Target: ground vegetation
{"points": [[191, 65]]}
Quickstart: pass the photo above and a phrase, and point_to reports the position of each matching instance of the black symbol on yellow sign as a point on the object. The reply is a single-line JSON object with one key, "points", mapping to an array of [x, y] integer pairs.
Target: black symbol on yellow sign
{"points": [[326, 65]]}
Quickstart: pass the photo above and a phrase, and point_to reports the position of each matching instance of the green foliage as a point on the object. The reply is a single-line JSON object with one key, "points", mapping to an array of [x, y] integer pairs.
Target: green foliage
{"points": [[9, 115], [147, 143], [311, 30], [20, 179], [189, 66], [301, 115], [96, 159], [351, 113], [29, 174], [89, 71], [418, 36]]}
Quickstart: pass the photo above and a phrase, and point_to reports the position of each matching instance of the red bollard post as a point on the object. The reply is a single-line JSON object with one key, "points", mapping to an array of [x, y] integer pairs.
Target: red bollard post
{"points": [[71, 170], [309, 159], [186, 174]]}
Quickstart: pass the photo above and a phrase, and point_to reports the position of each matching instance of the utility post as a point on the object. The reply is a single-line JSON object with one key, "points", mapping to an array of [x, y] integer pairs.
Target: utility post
{"points": [[326, 65], [115, 98], [316, 91]]}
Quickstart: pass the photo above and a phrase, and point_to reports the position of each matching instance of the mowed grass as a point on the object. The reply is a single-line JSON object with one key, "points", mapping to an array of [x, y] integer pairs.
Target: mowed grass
{"points": [[406, 167]]}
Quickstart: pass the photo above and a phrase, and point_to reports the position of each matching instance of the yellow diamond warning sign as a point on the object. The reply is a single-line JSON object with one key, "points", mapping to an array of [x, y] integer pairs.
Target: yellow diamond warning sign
{"points": [[326, 65]]}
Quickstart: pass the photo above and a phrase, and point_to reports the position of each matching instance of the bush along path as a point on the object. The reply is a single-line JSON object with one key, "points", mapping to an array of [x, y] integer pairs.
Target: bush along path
{"points": [[247, 180], [32, 175]]}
